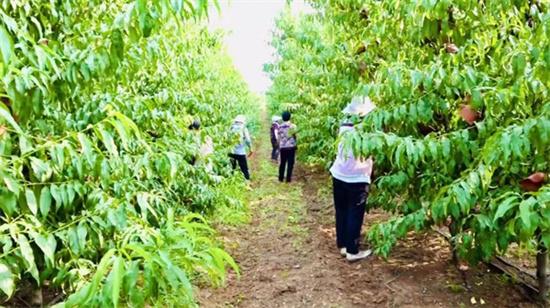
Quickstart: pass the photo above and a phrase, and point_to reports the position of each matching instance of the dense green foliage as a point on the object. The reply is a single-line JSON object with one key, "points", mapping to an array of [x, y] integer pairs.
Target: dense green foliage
{"points": [[463, 117], [98, 194]]}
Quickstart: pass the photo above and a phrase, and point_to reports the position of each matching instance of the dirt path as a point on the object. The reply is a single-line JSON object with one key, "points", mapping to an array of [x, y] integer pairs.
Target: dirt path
{"points": [[288, 257]]}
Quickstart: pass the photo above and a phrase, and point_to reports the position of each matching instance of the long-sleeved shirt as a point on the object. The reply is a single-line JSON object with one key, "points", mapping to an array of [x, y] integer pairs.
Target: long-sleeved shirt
{"points": [[347, 168], [274, 133], [245, 141], [207, 148]]}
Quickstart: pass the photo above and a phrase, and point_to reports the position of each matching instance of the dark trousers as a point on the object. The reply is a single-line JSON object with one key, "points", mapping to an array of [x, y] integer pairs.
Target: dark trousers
{"points": [[275, 151], [241, 160], [349, 201], [288, 156]]}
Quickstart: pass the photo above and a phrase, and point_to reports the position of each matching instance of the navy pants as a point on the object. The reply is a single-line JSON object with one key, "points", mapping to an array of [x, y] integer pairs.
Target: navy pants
{"points": [[275, 151], [288, 156], [349, 201], [241, 161]]}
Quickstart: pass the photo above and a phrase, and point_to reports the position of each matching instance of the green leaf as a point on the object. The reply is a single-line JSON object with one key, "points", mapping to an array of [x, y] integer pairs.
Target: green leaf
{"points": [[477, 100], [25, 145], [519, 63], [172, 160], [545, 239], [41, 169], [5, 114], [28, 256], [7, 283], [6, 45], [131, 276], [31, 201], [87, 148], [143, 204], [82, 233], [12, 185], [45, 201], [74, 244], [118, 275], [525, 211], [505, 206], [58, 154], [438, 210], [8, 202], [122, 132], [48, 245], [82, 296], [55, 191], [108, 141], [463, 198]]}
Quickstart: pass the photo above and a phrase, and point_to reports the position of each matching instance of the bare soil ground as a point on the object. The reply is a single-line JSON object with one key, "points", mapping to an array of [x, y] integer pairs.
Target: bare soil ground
{"points": [[288, 258]]}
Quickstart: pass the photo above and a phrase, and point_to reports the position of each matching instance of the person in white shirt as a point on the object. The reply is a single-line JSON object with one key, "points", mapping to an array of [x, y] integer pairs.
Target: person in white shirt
{"points": [[351, 178], [244, 144], [206, 146], [274, 136]]}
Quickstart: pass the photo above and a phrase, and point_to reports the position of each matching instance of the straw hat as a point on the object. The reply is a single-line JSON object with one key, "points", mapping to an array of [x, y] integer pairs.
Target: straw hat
{"points": [[240, 119], [360, 105], [275, 118]]}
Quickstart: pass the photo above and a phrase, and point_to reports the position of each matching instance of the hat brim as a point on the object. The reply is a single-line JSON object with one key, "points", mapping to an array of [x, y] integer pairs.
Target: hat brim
{"points": [[360, 109]]}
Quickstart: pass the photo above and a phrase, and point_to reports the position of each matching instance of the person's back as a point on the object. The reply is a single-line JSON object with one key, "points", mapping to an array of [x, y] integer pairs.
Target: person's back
{"points": [[287, 146], [242, 142], [241, 136], [347, 167], [287, 135]]}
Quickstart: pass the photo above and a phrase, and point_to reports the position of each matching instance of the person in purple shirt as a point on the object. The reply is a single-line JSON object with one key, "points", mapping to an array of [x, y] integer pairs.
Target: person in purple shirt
{"points": [[351, 178], [287, 147]]}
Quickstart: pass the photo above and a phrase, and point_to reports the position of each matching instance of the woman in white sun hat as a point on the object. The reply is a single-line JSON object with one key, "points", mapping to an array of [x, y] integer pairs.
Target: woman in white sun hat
{"points": [[244, 143], [351, 178], [274, 136]]}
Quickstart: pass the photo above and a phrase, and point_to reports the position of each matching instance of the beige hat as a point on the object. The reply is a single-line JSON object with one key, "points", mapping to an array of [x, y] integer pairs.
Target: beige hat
{"points": [[360, 105], [240, 119]]}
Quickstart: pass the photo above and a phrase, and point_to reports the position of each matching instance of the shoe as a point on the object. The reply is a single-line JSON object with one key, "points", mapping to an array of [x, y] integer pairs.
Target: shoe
{"points": [[343, 252], [358, 256]]}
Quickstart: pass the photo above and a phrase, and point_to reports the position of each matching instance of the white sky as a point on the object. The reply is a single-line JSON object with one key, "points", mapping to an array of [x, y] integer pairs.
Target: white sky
{"points": [[249, 24]]}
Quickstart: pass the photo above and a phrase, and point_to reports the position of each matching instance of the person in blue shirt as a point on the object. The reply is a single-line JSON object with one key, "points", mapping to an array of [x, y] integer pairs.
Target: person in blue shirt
{"points": [[244, 144]]}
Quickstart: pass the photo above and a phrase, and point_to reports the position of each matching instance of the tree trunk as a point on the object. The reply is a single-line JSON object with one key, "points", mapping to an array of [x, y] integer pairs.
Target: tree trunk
{"points": [[453, 230], [542, 273]]}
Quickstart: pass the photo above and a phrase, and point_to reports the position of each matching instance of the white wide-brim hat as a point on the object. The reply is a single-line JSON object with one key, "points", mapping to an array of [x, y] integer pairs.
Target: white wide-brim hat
{"points": [[275, 118], [240, 119], [360, 105]]}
